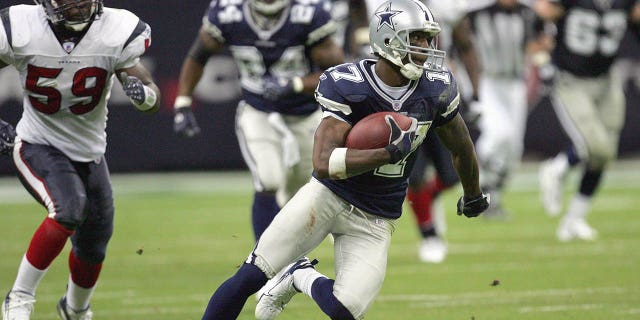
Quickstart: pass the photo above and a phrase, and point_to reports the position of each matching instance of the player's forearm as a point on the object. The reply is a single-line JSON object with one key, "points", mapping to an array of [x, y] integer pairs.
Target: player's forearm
{"points": [[190, 75], [342, 163], [455, 136], [466, 166]]}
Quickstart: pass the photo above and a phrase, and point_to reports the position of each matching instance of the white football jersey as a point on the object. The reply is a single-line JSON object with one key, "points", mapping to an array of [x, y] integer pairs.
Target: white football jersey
{"points": [[66, 86]]}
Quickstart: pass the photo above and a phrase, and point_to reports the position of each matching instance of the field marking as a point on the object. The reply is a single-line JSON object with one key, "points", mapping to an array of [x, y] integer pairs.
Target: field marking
{"points": [[559, 308], [624, 174], [134, 304], [454, 299]]}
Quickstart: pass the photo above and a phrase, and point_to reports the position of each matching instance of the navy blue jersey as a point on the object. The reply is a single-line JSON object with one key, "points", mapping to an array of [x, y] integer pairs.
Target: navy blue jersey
{"points": [[280, 51], [349, 92], [590, 34]]}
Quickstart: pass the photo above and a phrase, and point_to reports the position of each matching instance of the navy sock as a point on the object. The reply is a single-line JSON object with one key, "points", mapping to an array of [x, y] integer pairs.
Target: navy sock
{"points": [[227, 302], [264, 210], [322, 293], [590, 182], [572, 156]]}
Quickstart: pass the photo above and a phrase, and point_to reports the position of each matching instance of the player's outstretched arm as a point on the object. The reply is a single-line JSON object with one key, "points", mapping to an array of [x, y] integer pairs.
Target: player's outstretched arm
{"points": [[455, 137], [203, 47], [139, 86]]}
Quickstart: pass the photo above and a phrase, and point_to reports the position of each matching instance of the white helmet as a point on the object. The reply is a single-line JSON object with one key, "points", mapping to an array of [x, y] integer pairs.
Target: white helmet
{"points": [[389, 31], [267, 7]]}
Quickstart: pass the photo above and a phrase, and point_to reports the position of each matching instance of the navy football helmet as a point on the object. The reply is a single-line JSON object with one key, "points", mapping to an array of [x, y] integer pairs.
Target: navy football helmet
{"points": [[74, 14]]}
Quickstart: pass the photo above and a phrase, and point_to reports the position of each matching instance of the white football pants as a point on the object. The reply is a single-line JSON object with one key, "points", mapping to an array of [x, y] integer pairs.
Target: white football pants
{"points": [[503, 106], [361, 242], [263, 150]]}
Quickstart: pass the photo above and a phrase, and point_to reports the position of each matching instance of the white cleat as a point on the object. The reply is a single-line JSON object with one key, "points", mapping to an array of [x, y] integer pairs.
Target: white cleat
{"points": [[551, 187], [278, 291], [66, 313], [576, 229], [17, 305], [432, 250]]}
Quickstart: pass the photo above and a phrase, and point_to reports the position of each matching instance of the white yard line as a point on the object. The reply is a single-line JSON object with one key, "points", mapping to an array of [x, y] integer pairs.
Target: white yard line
{"points": [[624, 174]]}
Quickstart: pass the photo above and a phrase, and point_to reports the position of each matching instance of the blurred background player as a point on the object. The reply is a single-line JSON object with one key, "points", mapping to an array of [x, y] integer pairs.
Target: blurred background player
{"points": [[280, 47], [349, 16], [588, 100], [357, 195], [67, 56], [425, 187], [503, 96]]}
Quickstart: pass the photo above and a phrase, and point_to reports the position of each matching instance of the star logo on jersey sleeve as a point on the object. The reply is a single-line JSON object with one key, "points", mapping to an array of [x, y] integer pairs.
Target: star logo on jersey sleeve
{"points": [[386, 16]]}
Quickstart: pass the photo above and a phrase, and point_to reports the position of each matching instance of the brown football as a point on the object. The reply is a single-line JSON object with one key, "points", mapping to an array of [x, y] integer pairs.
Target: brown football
{"points": [[373, 132]]}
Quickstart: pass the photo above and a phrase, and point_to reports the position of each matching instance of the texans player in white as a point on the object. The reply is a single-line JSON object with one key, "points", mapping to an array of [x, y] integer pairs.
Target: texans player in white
{"points": [[588, 100], [68, 53], [280, 47], [357, 195]]}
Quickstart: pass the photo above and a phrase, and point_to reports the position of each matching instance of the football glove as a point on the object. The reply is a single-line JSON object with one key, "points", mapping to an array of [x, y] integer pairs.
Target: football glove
{"points": [[400, 141], [275, 88], [184, 122], [473, 207], [7, 137], [133, 88]]}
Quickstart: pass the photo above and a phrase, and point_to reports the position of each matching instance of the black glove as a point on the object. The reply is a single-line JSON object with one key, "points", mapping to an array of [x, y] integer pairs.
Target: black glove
{"points": [[400, 141], [275, 88], [184, 122], [7, 137], [133, 88], [473, 207]]}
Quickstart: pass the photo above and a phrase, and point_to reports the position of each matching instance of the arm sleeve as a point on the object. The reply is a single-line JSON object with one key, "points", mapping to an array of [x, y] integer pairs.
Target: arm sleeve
{"points": [[322, 25], [331, 100], [135, 46], [6, 53], [216, 16], [448, 101]]}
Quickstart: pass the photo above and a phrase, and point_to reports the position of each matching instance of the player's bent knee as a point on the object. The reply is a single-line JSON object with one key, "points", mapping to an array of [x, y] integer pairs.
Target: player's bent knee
{"points": [[94, 255], [261, 264], [355, 305], [70, 213], [599, 157]]}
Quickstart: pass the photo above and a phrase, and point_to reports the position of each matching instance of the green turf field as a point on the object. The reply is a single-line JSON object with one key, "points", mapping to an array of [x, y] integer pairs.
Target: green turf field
{"points": [[178, 236]]}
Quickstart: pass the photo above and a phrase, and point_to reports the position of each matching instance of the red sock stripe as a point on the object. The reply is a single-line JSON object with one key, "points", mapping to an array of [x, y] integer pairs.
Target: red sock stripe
{"points": [[421, 202], [436, 186], [46, 243], [83, 274]]}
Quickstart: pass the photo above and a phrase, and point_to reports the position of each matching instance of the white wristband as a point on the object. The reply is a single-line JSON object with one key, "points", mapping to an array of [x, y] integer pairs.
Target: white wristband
{"points": [[338, 163], [298, 85], [182, 102], [149, 101]]}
